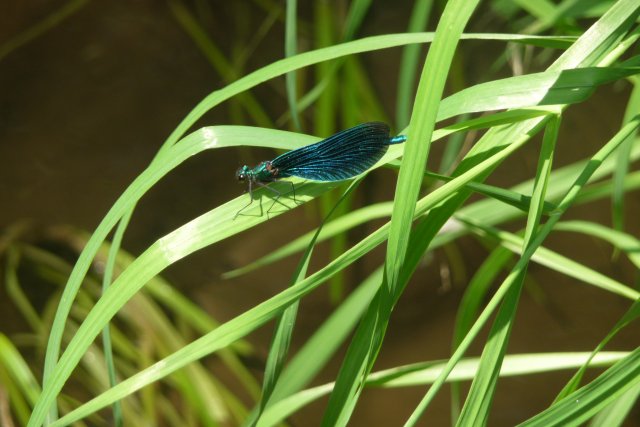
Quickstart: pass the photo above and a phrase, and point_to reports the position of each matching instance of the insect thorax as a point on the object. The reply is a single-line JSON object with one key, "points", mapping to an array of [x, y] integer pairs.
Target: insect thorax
{"points": [[265, 172]]}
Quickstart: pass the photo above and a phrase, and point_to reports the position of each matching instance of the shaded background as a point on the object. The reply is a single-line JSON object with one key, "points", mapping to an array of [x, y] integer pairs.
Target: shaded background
{"points": [[85, 106]]}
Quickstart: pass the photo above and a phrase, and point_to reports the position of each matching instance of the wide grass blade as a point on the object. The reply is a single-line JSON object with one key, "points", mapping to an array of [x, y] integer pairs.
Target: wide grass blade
{"points": [[590, 399], [365, 346], [617, 412], [426, 372]]}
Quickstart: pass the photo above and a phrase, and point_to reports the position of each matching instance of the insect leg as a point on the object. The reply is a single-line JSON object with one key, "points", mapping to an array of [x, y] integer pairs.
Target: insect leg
{"points": [[293, 190], [248, 204], [276, 199]]}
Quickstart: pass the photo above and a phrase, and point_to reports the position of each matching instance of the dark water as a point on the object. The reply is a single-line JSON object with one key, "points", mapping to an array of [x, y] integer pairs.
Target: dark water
{"points": [[84, 108]]}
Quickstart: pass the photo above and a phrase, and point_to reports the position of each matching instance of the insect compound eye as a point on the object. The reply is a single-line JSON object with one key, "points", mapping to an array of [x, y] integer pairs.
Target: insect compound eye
{"points": [[241, 174]]}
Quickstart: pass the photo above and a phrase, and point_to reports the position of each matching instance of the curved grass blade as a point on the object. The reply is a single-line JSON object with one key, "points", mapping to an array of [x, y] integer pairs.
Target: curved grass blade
{"points": [[553, 260], [625, 242], [552, 87], [286, 321], [470, 305], [588, 50], [631, 315], [425, 373], [590, 399], [102, 231], [308, 362], [333, 228], [617, 198], [477, 405], [368, 337], [193, 236], [17, 380], [209, 102], [617, 412], [477, 290]]}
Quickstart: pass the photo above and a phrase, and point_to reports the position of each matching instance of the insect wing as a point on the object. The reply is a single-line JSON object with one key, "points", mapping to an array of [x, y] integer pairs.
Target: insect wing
{"points": [[341, 156]]}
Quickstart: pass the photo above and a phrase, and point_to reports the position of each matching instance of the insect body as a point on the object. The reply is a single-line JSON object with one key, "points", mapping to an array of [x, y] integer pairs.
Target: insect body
{"points": [[341, 156]]}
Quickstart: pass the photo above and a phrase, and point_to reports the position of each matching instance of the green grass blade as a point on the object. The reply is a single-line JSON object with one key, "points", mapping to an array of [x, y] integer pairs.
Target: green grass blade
{"points": [[426, 372], [423, 119], [590, 399], [585, 51], [617, 412], [633, 106], [211, 101], [631, 315], [477, 290], [192, 236], [517, 200], [553, 260], [326, 105], [333, 228], [17, 295], [16, 372], [365, 346], [470, 305], [106, 332], [357, 11], [625, 242], [290, 49], [409, 63], [324, 343], [324, 54], [545, 88], [284, 326], [477, 406]]}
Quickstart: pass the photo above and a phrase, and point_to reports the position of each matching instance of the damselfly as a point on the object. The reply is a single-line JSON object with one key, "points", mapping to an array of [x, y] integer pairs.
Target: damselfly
{"points": [[341, 156]]}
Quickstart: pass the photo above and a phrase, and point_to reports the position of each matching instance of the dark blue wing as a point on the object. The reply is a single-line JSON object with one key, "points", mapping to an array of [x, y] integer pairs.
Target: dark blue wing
{"points": [[341, 156]]}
